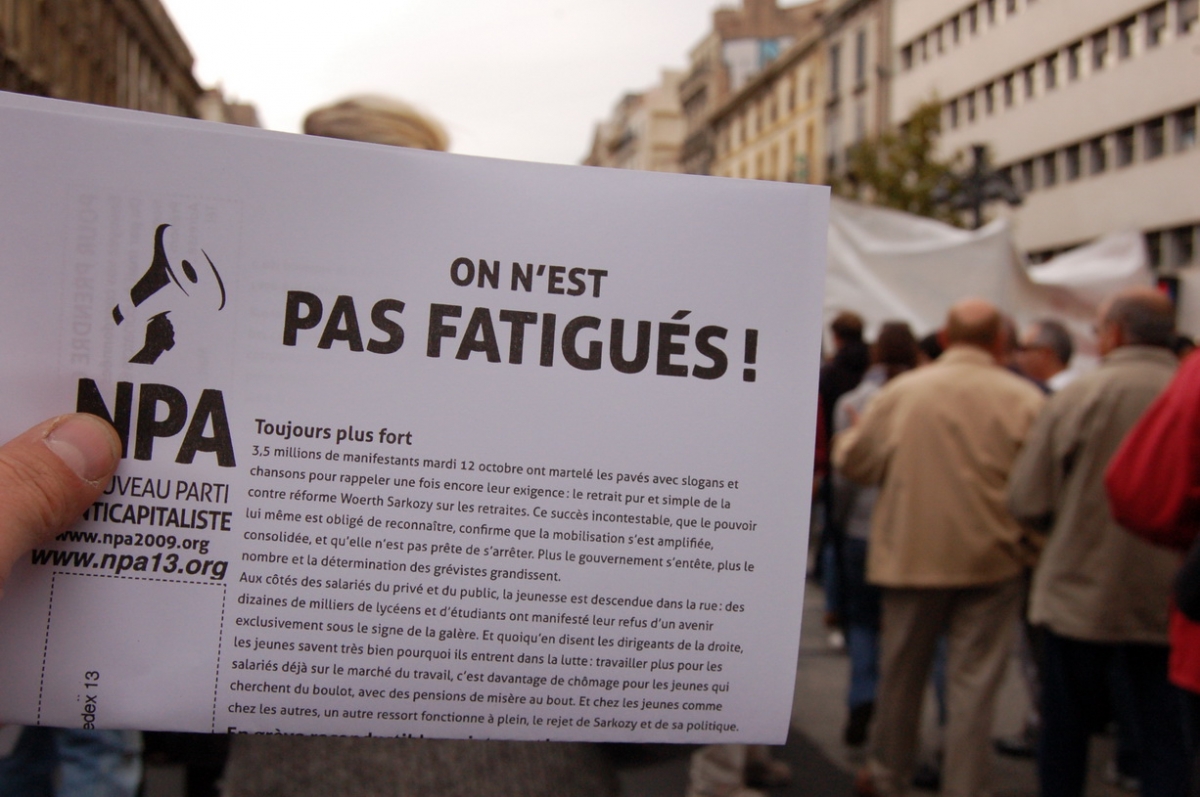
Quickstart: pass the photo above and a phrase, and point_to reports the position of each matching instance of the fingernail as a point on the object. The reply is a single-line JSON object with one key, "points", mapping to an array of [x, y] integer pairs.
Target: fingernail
{"points": [[85, 445]]}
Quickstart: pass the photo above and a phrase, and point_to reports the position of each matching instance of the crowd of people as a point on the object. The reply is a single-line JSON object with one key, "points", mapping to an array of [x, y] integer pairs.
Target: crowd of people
{"points": [[966, 516]]}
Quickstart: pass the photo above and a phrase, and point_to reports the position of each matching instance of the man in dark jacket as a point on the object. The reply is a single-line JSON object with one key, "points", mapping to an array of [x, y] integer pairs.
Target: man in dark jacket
{"points": [[839, 376]]}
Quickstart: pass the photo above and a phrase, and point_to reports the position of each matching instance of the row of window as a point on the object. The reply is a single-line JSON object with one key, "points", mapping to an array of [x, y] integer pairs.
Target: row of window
{"points": [[766, 165], [1145, 142], [1171, 248], [766, 110], [951, 32], [1071, 63], [1174, 248]]}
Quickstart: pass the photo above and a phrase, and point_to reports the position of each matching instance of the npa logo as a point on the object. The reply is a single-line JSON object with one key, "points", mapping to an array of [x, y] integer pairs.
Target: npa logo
{"points": [[204, 424], [160, 332]]}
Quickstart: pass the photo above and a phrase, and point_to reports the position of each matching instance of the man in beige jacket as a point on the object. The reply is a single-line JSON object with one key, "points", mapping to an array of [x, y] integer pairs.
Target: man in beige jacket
{"points": [[941, 441]]}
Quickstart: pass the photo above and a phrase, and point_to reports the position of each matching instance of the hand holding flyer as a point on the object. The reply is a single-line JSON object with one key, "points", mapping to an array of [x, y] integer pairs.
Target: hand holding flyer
{"points": [[48, 476], [413, 444]]}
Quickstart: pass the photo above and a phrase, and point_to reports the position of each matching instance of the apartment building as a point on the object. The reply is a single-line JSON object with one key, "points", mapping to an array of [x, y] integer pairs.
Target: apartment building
{"points": [[742, 43], [1089, 105], [772, 128], [858, 54], [644, 131]]}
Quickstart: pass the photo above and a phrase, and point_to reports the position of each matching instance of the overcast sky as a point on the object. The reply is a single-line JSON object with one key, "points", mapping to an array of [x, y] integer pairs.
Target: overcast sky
{"points": [[520, 79]]}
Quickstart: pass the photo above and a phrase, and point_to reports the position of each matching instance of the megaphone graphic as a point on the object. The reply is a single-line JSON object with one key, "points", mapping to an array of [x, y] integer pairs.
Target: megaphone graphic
{"points": [[158, 276]]}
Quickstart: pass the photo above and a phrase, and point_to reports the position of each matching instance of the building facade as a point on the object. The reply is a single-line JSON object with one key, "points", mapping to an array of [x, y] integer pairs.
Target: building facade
{"points": [[125, 53], [771, 129], [742, 42], [644, 131], [1089, 105], [858, 57]]}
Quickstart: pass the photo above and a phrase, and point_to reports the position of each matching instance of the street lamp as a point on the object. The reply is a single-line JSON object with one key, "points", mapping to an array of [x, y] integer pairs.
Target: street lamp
{"points": [[978, 187]]}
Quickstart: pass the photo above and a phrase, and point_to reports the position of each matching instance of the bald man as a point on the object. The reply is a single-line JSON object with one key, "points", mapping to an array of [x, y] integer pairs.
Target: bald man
{"points": [[940, 441], [1099, 594]]}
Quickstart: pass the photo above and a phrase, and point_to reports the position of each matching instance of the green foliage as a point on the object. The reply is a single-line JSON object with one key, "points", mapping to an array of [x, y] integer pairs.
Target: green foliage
{"points": [[899, 170]]}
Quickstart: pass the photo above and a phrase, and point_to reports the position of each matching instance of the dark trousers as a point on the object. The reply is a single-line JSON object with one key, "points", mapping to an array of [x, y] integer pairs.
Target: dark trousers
{"points": [[1076, 689]]}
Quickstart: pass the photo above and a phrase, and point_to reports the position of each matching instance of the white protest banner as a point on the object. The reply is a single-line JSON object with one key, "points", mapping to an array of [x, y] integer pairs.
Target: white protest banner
{"points": [[416, 444]]}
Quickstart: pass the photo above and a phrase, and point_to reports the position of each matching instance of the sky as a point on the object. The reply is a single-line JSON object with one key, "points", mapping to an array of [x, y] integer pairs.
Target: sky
{"points": [[518, 79]]}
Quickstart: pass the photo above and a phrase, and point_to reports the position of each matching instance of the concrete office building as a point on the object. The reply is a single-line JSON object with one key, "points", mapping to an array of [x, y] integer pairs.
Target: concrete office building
{"points": [[1089, 105], [742, 42], [771, 129], [644, 131]]}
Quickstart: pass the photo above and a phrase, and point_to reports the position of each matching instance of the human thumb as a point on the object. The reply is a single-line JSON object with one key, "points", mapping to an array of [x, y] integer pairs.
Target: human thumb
{"points": [[48, 476]]}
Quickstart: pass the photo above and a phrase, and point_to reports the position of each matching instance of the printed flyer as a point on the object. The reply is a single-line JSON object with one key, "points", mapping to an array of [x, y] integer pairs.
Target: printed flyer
{"points": [[415, 444]]}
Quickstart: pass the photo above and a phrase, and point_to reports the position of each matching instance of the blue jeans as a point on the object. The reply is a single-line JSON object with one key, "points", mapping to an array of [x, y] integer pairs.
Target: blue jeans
{"points": [[87, 763], [861, 622], [1076, 691]]}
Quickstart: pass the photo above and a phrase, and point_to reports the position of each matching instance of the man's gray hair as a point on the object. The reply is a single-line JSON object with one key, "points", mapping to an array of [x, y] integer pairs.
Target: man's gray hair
{"points": [[1054, 335]]}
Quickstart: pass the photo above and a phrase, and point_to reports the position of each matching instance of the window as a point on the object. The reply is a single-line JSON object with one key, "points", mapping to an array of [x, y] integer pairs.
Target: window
{"points": [[1156, 25], [971, 107], [1183, 241], [1185, 129], [1010, 7], [1124, 141], [954, 30], [923, 49], [1125, 38], [1027, 182], [1051, 72], [860, 58], [991, 11], [1029, 81], [1187, 13], [1049, 170], [1073, 60], [906, 58], [952, 114], [939, 41], [973, 19], [1154, 249], [1099, 50], [1073, 163], [989, 98], [835, 51], [1155, 139], [833, 143], [1008, 91], [1098, 154]]}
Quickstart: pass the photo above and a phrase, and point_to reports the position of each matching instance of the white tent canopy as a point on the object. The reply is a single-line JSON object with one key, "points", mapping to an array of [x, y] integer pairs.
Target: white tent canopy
{"points": [[887, 265]]}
